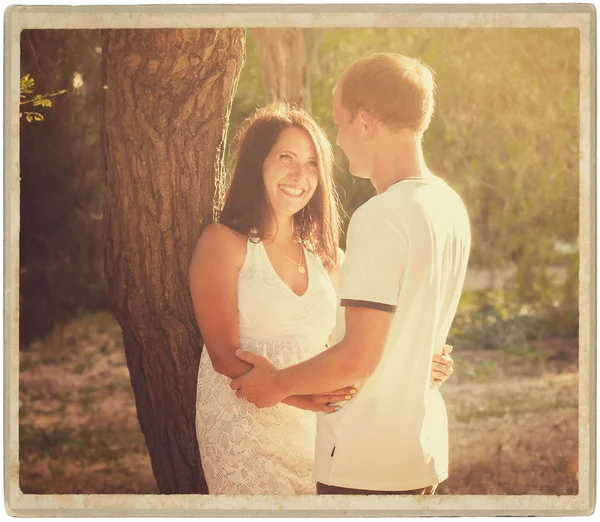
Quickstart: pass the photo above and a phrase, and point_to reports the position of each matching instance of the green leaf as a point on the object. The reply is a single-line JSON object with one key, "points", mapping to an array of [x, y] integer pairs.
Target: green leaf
{"points": [[42, 102]]}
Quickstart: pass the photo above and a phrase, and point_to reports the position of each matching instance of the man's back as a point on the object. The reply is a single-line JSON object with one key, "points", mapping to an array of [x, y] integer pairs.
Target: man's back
{"points": [[437, 227], [407, 253]]}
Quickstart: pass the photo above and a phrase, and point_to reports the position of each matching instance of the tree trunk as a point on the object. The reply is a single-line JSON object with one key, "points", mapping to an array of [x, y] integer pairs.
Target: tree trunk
{"points": [[284, 66], [168, 95]]}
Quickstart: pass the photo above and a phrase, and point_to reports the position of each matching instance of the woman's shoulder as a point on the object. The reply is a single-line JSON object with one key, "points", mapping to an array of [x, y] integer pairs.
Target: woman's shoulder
{"points": [[221, 241], [222, 234]]}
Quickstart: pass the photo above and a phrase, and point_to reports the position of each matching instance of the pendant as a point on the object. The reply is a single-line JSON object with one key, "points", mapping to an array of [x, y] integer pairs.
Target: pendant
{"points": [[302, 270]]}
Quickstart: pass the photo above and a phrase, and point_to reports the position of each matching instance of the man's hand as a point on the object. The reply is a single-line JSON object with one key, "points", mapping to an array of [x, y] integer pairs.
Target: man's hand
{"points": [[442, 367], [261, 385]]}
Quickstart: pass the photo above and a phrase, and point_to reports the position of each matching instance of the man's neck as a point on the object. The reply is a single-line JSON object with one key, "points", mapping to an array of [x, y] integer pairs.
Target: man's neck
{"points": [[398, 157]]}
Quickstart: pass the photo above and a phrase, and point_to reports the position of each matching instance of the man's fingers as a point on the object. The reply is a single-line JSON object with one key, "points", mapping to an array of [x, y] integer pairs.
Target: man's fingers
{"points": [[439, 367], [447, 360], [238, 382], [240, 394], [248, 357], [439, 374], [443, 359]]}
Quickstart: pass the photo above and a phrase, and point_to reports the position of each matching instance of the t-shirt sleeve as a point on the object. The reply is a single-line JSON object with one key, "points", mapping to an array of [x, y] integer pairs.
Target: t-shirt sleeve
{"points": [[374, 262]]}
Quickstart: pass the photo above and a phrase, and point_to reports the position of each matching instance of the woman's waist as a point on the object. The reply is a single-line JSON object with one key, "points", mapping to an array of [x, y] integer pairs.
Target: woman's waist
{"points": [[283, 350], [288, 332]]}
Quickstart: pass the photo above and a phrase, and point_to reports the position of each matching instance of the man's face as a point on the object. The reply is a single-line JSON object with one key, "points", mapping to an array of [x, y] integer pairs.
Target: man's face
{"points": [[348, 136]]}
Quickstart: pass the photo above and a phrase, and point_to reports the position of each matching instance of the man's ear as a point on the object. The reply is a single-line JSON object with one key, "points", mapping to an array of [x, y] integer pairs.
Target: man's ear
{"points": [[366, 124]]}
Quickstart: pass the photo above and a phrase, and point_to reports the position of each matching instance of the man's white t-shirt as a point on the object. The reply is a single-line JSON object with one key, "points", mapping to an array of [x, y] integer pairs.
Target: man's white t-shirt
{"points": [[406, 253]]}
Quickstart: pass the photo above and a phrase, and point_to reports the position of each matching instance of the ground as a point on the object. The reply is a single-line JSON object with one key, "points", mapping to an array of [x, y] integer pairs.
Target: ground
{"points": [[513, 417]]}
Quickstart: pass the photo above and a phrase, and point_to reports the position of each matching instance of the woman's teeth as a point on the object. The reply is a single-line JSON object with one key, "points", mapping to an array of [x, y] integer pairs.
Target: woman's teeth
{"points": [[291, 191]]}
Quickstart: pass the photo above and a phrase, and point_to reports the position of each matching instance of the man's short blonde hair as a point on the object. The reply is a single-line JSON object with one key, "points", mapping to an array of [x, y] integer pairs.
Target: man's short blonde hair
{"points": [[395, 89]]}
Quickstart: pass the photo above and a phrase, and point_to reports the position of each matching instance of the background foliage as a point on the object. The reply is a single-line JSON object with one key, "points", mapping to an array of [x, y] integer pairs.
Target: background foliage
{"points": [[62, 190], [504, 135]]}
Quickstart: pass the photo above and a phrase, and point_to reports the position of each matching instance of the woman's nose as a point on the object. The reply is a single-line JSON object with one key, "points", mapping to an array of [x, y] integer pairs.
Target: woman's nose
{"points": [[298, 172]]}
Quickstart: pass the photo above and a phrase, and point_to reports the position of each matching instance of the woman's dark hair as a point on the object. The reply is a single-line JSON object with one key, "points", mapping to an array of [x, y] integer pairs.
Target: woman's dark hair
{"points": [[246, 207]]}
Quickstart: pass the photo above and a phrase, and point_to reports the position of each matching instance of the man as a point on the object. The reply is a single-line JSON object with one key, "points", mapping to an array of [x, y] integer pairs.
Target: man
{"points": [[406, 258]]}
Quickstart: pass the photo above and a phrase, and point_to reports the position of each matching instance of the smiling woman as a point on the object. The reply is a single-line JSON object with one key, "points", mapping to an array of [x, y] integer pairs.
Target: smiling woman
{"points": [[260, 281], [279, 151]]}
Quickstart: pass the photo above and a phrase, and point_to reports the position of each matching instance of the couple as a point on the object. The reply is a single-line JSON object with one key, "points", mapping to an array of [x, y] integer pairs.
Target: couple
{"points": [[268, 280]]}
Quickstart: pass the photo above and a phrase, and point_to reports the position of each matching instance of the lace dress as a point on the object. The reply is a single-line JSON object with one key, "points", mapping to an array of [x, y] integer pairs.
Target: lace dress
{"points": [[270, 451]]}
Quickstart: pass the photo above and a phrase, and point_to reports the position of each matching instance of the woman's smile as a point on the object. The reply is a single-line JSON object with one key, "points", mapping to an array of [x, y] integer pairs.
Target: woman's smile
{"points": [[291, 190]]}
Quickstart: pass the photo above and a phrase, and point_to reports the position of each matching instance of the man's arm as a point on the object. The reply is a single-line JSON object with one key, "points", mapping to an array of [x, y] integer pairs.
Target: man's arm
{"points": [[355, 357]]}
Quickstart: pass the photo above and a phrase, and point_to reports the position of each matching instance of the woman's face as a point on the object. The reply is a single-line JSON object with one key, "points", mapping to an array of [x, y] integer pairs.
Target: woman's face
{"points": [[291, 172]]}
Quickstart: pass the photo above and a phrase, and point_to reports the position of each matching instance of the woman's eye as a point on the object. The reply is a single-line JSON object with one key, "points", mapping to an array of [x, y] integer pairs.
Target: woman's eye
{"points": [[286, 158], [313, 164]]}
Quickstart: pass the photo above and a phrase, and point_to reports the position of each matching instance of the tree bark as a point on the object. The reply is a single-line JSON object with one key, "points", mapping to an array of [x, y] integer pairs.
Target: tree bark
{"points": [[284, 65], [168, 96]]}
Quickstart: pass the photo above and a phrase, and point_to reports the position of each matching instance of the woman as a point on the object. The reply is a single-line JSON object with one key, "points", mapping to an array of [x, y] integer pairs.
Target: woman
{"points": [[264, 279]]}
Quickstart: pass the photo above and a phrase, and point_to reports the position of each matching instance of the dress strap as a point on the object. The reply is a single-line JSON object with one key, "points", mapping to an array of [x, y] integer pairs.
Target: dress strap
{"points": [[251, 254]]}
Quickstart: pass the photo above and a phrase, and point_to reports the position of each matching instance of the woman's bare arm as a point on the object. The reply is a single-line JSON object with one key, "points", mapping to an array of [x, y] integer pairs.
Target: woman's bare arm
{"points": [[217, 260]]}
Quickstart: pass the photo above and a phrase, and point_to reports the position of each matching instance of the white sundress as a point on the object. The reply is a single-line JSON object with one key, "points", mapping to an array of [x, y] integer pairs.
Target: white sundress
{"points": [[270, 451]]}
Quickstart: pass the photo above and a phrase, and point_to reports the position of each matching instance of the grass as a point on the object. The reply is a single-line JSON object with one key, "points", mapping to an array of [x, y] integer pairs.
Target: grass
{"points": [[85, 445], [517, 404], [512, 417], [86, 399]]}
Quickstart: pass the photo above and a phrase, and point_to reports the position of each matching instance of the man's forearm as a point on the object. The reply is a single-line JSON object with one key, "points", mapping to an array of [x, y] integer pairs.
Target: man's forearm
{"points": [[354, 358], [336, 367]]}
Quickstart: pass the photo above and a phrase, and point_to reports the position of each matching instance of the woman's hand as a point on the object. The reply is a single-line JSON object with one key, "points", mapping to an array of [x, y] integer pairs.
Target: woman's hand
{"points": [[324, 402], [442, 367]]}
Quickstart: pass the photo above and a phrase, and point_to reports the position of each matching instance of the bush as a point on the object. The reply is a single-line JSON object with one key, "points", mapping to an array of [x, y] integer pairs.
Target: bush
{"points": [[498, 320]]}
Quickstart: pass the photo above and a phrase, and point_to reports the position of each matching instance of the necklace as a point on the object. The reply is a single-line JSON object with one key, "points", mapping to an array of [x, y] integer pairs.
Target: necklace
{"points": [[301, 269]]}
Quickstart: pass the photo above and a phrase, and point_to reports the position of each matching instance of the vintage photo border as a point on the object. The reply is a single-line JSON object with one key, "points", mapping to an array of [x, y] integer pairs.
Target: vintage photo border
{"points": [[581, 16]]}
